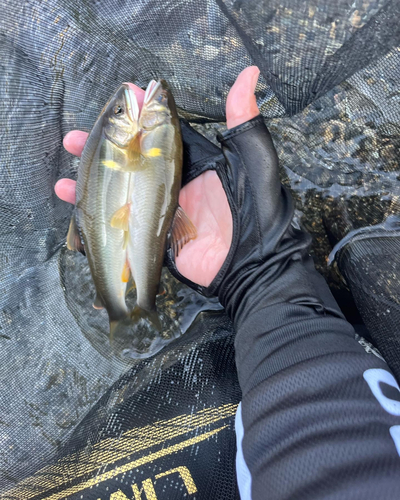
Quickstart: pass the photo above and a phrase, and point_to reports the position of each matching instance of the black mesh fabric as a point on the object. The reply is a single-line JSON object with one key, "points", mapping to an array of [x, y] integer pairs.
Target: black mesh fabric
{"points": [[329, 91]]}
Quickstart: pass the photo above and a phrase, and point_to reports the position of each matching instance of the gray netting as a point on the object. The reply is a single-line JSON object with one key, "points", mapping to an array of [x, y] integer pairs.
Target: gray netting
{"points": [[330, 94]]}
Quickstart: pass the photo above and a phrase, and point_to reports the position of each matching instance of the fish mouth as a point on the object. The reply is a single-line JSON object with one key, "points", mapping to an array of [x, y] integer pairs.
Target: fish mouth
{"points": [[132, 106], [151, 90]]}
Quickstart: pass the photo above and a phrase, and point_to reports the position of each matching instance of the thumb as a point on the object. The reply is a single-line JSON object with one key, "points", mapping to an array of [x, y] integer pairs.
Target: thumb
{"points": [[241, 104]]}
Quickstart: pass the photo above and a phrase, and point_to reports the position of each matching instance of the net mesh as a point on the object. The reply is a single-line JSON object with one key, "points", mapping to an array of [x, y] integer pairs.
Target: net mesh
{"points": [[329, 91]]}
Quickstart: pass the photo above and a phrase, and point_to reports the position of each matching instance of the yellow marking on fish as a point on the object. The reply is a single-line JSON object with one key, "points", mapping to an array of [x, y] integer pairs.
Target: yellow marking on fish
{"points": [[111, 164], [153, 152]]}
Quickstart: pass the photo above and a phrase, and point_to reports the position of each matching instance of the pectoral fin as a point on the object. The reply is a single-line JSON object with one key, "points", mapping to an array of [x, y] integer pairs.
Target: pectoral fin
{"points": [[183, 230], [74, 238], [120, 220]]}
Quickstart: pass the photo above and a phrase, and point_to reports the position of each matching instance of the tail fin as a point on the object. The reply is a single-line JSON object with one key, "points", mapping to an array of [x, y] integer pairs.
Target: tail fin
{"points": [[152, 316]]}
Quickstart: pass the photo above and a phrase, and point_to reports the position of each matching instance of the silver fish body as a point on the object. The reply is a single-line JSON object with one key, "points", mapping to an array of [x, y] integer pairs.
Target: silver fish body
{"points": [[102, 188], [154, 191]]}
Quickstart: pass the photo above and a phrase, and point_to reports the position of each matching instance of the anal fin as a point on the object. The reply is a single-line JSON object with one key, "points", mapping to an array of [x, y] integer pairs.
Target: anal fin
{"points": [[183, 230], [74, 238]]}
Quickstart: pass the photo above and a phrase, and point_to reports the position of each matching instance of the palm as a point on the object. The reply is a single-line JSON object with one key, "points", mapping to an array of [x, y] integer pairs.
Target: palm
{"points": [[203, 199]]}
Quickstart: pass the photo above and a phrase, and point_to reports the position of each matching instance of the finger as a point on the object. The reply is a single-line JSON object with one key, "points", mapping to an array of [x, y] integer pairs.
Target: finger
{"points": [[75, 140], [241, 104], [65, 190]]}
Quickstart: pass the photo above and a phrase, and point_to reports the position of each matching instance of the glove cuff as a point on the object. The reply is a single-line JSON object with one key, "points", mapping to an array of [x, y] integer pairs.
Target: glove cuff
{"points": [[239, 129]]}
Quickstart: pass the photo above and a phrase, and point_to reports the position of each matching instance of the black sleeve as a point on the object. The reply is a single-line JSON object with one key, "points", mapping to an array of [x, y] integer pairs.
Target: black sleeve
{"points": [[319, 410]]}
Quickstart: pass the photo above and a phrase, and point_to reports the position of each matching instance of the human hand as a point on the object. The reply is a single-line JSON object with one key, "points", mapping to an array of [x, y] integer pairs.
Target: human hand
{"points": [[203, 199]]}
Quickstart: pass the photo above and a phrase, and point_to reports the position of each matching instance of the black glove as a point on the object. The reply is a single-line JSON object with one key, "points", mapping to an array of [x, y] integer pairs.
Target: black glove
{"points": [[264, 242]]}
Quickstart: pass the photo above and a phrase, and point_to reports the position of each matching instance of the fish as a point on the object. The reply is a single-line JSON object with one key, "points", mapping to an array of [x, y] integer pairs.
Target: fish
{"points": [[153, 214], [127, 203], [102, 188]]}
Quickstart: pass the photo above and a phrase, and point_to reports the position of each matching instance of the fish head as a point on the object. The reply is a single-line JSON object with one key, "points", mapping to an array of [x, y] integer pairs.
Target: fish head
{"points": [[121, 117], [158, 106]]}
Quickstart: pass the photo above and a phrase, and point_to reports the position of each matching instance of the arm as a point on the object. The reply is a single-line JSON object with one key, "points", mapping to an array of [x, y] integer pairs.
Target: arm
{"points": [[312, 426]]}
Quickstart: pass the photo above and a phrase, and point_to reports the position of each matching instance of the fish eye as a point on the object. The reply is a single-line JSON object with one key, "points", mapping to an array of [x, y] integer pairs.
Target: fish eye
{"points": [[162, 97], [118, 110]]}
